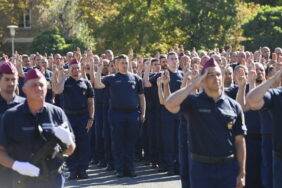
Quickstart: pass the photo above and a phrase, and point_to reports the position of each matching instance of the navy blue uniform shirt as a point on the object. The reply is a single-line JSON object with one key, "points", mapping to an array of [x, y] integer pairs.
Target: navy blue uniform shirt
{"points": [[174, 84], [48, 75], [4, 105], [252, 117], [266, 120], [154, 98], [19, 135], [175, 80], [213, 125], [273, 102], [76, 94], [124, 90]]}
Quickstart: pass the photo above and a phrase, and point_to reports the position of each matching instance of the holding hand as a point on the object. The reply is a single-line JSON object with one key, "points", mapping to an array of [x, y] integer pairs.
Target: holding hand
{"points": [[64, 135], [26, 168]]}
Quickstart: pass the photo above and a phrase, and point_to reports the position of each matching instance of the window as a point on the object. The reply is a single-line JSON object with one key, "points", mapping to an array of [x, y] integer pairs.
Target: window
{"points": [[25, 19]]}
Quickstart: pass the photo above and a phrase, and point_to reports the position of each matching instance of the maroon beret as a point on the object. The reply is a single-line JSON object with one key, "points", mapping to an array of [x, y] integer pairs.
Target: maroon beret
{"points": [[73, 62], [210, 63], [3, 59], [33, 74], [8, 68]]}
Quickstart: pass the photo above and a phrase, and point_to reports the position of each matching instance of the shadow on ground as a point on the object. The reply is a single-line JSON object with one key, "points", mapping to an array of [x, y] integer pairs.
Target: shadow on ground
{"points": [[100, 177]]}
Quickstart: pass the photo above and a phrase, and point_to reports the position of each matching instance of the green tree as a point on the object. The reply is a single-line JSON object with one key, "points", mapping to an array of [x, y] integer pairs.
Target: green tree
{"points": [[264, 29], [208, 23], [267, 2], [49, 41]]}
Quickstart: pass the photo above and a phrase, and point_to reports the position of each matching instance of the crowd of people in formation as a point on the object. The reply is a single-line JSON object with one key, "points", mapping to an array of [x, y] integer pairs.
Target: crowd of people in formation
{"points": [[212, 117]]}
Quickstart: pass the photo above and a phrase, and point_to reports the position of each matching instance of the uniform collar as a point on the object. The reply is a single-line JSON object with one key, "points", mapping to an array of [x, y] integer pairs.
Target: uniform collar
{"points": [[16, 99], [26, 109], [221, 97], [74, 80]]}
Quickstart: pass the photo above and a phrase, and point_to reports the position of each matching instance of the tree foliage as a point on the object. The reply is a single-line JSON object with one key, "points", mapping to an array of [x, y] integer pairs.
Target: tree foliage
{"points": [[267, 2], [264, 29], [52, 41], [49, 41]]}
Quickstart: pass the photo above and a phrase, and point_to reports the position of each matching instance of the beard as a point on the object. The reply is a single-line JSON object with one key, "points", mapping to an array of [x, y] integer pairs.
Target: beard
{"points": [[9, 91], [259, 80]]}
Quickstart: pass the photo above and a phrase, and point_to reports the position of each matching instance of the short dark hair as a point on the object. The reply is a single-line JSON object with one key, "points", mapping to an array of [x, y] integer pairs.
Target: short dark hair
{"points": [[163, 56], [122, 56], [154, 60], [172, 53], [268, 70]]}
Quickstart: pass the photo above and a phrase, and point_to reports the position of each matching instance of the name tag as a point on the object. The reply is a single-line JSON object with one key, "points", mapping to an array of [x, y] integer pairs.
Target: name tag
{"points": [[205, 110], [28, 128]]}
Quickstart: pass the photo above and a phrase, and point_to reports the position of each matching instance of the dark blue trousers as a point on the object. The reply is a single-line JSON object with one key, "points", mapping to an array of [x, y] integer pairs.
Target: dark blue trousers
{"points": [[80, 159], [253, 163], [203, 175], [266, 164], [124, 135], [153, 137], [93, 152], [107, 138], [99, 142], [277, 173], [183, 156], [170, 125], [159, 137], [55, 182]]}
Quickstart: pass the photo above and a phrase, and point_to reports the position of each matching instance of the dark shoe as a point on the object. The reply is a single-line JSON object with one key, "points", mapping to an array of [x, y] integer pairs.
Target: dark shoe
{"points": [[94, 162], [162, 170], [72, 176], [101, 165], [170, 173], [119, 174], [83, 175], [154, 166], [109, 168], [176, 171], [131, 174]]}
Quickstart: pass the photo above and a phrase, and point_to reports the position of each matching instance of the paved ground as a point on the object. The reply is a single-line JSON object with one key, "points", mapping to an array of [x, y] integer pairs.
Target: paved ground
{"points": [[147, 178]]}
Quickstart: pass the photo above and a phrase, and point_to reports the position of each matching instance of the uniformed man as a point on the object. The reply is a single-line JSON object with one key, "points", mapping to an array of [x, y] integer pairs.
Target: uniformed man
{"points": [[262, 97], [170, 122], [253, 123], [43, 66], [216, 128], [127, 97], [22, 137], [8, 99], [79, 107]]}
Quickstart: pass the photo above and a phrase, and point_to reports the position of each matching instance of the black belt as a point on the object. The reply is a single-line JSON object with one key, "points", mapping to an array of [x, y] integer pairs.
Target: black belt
{"points": [[277, 155], [125, 110], [212, 160], [254, 136], [76, 113]]}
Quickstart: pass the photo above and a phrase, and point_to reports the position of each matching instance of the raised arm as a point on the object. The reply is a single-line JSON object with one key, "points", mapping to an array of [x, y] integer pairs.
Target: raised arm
{"points": [[97, 79], [241, 94], [58, 87], [146, 81], [174, 101], [160, 89], [255, 96]]}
